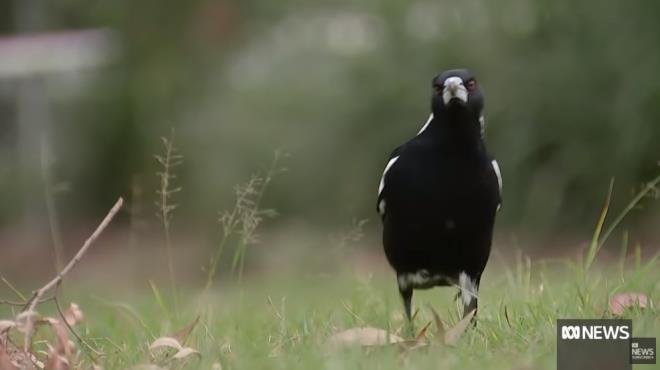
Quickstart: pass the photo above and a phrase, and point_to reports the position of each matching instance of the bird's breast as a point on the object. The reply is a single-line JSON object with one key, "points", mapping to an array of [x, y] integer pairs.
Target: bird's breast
{"points": [[442, 190]]}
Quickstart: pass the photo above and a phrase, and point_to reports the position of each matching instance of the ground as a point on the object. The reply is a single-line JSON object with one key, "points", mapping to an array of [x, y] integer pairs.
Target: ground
{"points": [[285, 320]]}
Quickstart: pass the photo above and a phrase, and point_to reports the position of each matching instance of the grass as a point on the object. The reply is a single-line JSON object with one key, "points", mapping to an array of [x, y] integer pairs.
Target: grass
{"points": [[284, 322]]}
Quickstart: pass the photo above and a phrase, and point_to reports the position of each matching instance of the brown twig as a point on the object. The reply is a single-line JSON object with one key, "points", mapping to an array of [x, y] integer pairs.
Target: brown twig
{"points": [[22, 304], [80, 339], [37, 295], [13, 288]]}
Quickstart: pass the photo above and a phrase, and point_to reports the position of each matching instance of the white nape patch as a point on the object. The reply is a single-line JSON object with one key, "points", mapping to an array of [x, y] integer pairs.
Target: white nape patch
{"points": [[428, 121], [468, 288], [454, 88], [381, 207], [496, 168], [420, 277], [387, 168], [482, 124]]}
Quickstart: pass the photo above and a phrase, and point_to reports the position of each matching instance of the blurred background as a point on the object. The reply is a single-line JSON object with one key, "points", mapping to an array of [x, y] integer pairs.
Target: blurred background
{"points": [[88, 88]]}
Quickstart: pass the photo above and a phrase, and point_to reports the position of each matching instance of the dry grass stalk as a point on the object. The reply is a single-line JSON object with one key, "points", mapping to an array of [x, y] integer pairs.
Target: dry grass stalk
{"points": [[243, 219], [37, 296], [166, 208], [51, 209]]}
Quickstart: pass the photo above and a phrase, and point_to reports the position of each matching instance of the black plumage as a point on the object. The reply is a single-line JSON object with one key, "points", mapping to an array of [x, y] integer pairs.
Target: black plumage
{"points": [[439, 195]]}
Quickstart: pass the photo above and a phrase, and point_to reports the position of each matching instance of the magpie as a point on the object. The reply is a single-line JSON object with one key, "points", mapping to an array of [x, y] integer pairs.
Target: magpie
{"points": [[439, 194]]}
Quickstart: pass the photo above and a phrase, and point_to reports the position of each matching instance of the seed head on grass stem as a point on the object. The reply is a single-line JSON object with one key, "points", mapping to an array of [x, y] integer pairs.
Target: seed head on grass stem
{"points": [[241, 222], [164, 203]]}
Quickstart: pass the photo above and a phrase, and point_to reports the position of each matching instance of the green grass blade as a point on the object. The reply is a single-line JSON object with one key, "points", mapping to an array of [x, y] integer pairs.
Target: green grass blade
{"points": [[595, 244]]}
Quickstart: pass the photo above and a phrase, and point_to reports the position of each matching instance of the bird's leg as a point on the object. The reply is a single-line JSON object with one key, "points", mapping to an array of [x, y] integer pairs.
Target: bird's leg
{"points": [[406, 296], [469, 288], [470, 306]]}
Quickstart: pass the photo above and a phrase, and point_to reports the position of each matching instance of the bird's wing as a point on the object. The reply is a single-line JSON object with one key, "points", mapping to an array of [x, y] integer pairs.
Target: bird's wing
{"points": [[498, 173], [380, 206], [428, 121]]}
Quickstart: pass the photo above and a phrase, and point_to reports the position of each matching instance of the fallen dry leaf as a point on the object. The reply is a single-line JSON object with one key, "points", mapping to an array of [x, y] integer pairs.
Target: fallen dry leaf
{"points": [[147, 367], [163, 348], [6, 325], [56, 362], [454, 334], [421, 335], [185, 352], [363, 336], [165, 342], [620, 302], [64, 346], [182, 334], [73, 315], [216, 366], [440, 327], [5, 361]]}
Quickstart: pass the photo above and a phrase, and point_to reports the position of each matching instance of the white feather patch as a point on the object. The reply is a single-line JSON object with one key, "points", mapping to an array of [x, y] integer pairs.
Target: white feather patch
{"points": [[419, 278], [381, 207], [496, 168], [468, 288], [387, 168], [428, 121]]}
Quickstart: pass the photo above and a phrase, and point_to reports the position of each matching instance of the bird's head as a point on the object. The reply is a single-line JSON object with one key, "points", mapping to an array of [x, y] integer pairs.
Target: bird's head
{"points": [[456, 91]]}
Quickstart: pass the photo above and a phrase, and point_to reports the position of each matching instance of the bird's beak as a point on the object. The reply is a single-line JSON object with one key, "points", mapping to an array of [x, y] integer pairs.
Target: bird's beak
{"points": [[454, 89]]}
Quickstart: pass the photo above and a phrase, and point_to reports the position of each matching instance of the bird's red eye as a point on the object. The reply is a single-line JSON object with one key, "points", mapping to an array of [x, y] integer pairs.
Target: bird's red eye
{"points": [[471, 85]]}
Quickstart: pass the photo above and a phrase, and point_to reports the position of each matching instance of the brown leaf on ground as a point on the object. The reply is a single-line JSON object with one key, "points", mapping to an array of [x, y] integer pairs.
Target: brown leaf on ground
{"points": [[421, 335], [163, 348], [73, 315], [454, 334], [5, 325], [64, 346], [165, 342], [622, 301], [183, 334], [185, 353], [20, 359], [439, 326], [56, 361], [363, 336], [5, 361]]}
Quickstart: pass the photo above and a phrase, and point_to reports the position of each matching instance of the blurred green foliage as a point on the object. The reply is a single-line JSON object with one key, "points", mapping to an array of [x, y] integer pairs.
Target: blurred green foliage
{"points": [[572, 99]]}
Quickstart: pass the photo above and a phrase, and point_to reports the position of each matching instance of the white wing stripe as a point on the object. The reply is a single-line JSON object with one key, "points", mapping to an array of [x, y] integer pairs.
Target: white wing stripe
{"points": [[428, 121], [382, 179], [496, 167]]}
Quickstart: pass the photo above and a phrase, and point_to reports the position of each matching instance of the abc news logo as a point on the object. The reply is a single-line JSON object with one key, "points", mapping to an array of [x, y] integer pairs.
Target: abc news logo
{"points": [[595, 332], [642, 351]]}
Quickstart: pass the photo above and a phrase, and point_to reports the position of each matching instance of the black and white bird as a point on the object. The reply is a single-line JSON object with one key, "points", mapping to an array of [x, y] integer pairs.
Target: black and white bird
{"points": [[439, 194]]}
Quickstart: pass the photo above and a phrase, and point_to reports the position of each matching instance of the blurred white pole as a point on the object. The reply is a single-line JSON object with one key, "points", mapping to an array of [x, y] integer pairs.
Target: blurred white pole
{"points": [[31, 119], [28, 60]]}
